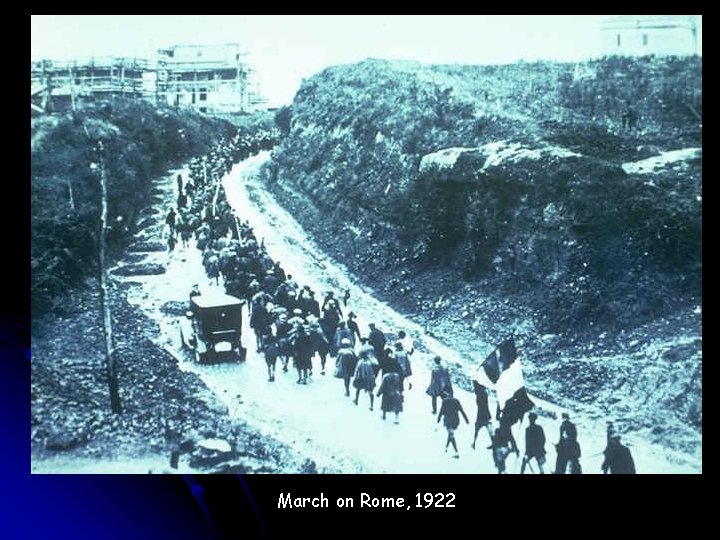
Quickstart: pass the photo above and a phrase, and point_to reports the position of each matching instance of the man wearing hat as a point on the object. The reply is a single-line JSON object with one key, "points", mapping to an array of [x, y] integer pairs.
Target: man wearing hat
{"points": [[618, 459], [568, 427], [353, 325], [568, 449]]}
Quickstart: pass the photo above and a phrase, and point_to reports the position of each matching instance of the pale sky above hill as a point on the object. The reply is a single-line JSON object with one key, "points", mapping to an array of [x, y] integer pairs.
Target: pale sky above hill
{"points": [[284, 49]]}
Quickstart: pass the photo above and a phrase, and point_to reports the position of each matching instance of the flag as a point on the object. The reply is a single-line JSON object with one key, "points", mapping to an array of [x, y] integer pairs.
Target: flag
{"points": [[502, 371], [487, 373], [510, 386]]}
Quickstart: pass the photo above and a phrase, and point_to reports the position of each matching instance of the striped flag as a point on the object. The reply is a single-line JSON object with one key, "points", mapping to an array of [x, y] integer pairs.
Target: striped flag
{"points": [[502, 371]]}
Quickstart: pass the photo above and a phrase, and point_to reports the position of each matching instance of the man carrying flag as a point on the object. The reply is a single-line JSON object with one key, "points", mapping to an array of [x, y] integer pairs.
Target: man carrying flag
{"points": [[502, 370]]}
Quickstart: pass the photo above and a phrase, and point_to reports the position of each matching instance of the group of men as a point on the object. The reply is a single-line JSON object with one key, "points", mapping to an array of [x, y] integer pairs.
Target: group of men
{"points": [[201, 208], [618, 459], [291, 325]]}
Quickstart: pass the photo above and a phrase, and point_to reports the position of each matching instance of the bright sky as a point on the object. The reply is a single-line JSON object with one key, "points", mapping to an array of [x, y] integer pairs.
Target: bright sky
{"points": [[284, 49]]}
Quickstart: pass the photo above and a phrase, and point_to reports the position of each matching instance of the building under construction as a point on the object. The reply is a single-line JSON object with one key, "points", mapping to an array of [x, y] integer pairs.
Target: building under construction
{"points": [[57, 84], [208, 78]]}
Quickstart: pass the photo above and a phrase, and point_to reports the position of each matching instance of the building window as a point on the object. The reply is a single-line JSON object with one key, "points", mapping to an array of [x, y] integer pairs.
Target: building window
{"points": [[203, 94], [618, 40], [645, 40]]}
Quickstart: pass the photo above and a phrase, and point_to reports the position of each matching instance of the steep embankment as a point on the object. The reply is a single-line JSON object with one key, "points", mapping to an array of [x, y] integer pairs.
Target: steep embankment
{"points": [[486, 199], [139, 142], [164, 410]]}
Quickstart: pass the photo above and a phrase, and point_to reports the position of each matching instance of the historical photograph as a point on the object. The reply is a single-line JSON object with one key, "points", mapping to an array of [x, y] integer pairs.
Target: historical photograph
{"points": [[366, 244]]}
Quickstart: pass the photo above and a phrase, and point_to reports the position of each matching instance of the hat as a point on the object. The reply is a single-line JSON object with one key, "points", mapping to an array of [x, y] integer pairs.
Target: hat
{"points": [[345, 341], [532, 416], [351, 315], [297, 311]]}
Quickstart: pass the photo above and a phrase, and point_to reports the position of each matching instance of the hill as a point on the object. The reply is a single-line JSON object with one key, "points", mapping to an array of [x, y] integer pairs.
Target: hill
{"points": [[489, 199]]}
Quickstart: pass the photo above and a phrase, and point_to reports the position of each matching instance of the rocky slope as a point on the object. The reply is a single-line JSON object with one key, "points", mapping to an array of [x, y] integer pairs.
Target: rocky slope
{"points": [[490, 199]]}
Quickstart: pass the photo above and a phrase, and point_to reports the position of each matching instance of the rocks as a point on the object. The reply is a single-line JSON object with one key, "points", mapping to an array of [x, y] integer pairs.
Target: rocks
{"points": [[61, 440], [147, 246], [134, 258], [147, 222], [215, 445], [140, 269], [308, 467], [174, 307]]}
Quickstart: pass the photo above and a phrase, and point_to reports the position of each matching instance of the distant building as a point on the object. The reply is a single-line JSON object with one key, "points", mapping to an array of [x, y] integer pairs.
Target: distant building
{"points": [[256, 101], [639, 35], [209, 78], [59, 83]]}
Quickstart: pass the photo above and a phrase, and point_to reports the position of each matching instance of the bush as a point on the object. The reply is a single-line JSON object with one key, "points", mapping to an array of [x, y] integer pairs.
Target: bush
{"points": [[140, 141]]}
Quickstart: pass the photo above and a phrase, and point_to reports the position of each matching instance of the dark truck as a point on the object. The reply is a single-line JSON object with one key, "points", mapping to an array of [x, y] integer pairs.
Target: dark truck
{"points": [[212, 329]]}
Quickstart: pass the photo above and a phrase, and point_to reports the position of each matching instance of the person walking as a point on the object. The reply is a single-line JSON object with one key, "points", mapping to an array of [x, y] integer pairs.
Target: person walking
{"points": [[353, 326], [377, 339], [503, 444], [407, 342], [439, 382], [403, 360], [568, 456], [170, 220], [450, 412], [345, 364], [484, 418], [271, 350], [392, 395], [618, 459], [534, 445], [568, 449], [364, 379], [303, 354]]}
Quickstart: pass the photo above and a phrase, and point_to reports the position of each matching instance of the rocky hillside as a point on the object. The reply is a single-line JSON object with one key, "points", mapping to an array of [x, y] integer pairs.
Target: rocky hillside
{"points": [[510, 197]]}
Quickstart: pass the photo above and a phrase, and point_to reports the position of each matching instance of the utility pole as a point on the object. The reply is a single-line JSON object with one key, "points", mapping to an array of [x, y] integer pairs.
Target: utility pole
{"points": [[104, 299]]}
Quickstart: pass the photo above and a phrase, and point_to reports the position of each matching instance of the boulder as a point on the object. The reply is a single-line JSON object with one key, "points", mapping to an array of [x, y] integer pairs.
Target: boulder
{"points": [[141, 269]]}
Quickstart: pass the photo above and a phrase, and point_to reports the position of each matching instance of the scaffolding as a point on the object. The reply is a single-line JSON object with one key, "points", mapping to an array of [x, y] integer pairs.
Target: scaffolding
{"points": [[208, 78]]}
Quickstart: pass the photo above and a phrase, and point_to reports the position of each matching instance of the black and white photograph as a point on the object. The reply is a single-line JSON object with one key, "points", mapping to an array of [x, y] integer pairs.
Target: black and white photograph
{"points": [[334, 244]]}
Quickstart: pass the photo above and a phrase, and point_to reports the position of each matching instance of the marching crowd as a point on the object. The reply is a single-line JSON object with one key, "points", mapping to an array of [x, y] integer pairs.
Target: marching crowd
{"points": [[292, 327]]}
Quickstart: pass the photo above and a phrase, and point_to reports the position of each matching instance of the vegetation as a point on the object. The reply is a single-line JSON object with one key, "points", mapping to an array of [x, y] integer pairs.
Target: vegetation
{"points": [[140, 142], [576, 239]]}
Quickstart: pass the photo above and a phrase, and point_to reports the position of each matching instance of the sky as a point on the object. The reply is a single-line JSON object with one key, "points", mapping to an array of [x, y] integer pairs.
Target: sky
{"points": [[284, 49]]}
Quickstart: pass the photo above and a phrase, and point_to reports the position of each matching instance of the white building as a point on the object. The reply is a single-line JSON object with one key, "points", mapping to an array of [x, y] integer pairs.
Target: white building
{"points": [[209, 78], [661, 35]]}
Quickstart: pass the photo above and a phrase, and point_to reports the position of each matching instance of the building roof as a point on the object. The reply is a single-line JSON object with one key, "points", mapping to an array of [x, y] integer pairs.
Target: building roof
{"points": [[648, 21]]}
